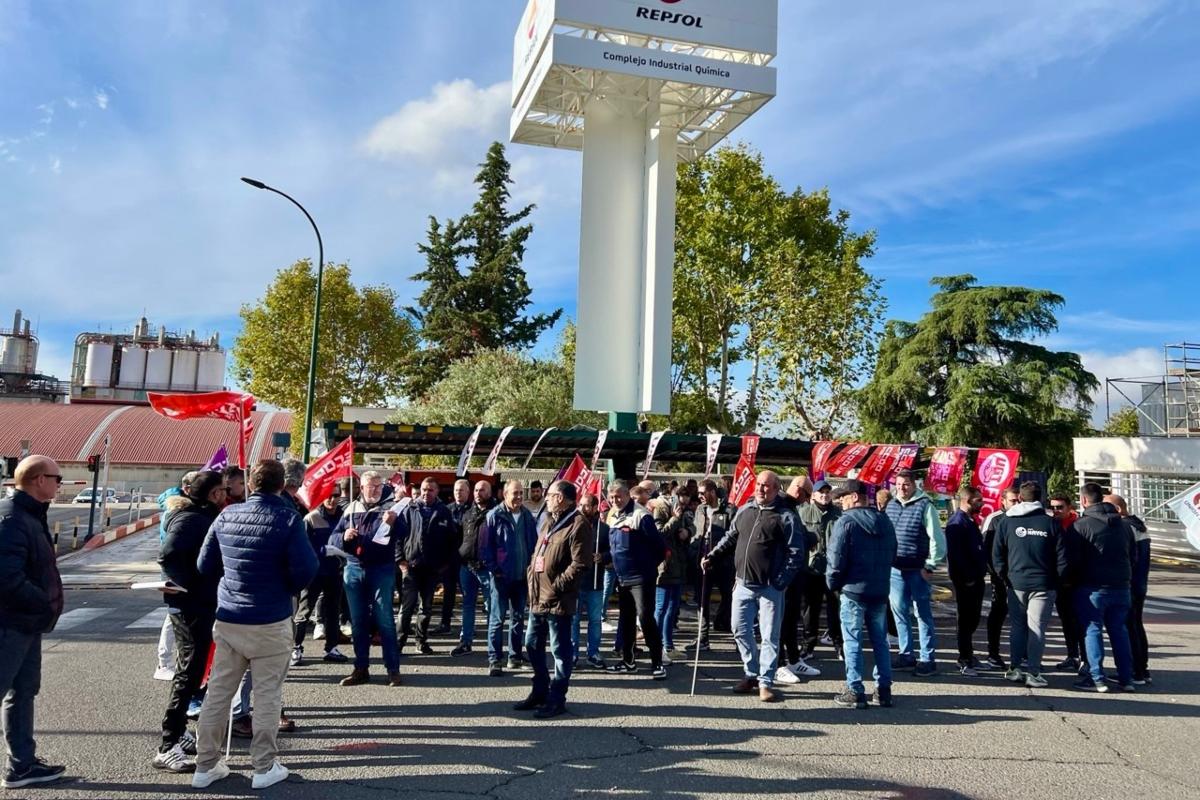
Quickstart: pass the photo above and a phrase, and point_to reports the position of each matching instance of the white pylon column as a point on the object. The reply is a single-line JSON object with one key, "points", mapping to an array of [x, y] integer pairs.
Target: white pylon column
{"points": [[626, 259]]}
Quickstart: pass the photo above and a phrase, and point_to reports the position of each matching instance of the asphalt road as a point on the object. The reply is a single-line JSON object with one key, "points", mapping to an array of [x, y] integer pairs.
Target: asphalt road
{"points": [[64, 517], [450, 731]]}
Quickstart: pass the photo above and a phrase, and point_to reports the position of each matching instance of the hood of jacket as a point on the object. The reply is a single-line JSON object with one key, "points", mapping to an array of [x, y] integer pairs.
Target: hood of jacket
{"points": [[1025, 509], [865, 518], [918, 495]]}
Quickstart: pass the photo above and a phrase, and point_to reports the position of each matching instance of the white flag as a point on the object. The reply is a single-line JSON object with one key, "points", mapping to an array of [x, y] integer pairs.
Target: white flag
{"points": [[536, 445], [489, 466], [1186, 506], [600, 439], [465, 459], [714, 446], [655, 438]]}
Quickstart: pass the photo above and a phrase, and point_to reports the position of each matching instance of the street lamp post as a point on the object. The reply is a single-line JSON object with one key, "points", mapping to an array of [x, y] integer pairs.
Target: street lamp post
{"points": [[316, 327]]}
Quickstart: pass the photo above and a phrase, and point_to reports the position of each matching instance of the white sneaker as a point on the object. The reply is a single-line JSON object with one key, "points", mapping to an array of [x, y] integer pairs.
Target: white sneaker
{"points": [[607, 627], [318, 632], [785, 676], [274, 775], [666, 659], [203, 780], [164, 674], [825, 640], [297, 657], [803, 669], [347, 630]]}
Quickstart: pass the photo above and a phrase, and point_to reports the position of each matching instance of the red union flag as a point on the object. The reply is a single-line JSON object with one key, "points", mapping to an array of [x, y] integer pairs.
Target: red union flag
{"points": [[577, 473], [820, 454], [994, 472], [321, 478], [847, 459], [946, 470], [233, 406], [743, 483]]}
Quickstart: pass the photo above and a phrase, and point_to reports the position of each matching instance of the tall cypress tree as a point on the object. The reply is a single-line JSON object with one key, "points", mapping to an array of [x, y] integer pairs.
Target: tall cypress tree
{"points": [[481, 307]]}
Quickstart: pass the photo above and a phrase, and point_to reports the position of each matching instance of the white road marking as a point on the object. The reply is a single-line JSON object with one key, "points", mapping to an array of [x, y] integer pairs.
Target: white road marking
{"points": [[79, 616], [152, 620]]}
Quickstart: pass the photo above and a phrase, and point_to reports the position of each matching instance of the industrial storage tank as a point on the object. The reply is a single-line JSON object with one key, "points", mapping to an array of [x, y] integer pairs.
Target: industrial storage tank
{"points": [[212, 371], [158, 370], [183, 372], [14, 352], [97, 369], [133, 368]]}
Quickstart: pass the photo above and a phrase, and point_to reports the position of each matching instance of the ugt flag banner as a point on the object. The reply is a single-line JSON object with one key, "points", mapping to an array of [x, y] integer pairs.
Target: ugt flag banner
{"points": [[946, 470], [232, 406], [994, 472], [1186, 506], [321, 478]]}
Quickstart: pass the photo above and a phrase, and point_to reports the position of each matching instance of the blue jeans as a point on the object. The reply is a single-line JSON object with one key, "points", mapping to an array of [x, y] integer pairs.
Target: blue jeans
{"points": [[592, 604], [908, 587], [610, 586], [473, 582], [865, 617], [666, 612], [555, 628], [765, 603], [507, 596], [369, 591], [20, 681], [1105, 610]]}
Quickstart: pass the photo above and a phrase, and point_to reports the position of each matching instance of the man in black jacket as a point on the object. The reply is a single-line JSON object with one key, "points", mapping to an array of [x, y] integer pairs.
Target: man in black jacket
{"points": [[714, 518], [968, 568], [426, 530], [473, 577], [450, 568], [998, 612], [767, 543], [31, 600], [1102, 551], [323, 596], [1029, 556], [192, 612]]}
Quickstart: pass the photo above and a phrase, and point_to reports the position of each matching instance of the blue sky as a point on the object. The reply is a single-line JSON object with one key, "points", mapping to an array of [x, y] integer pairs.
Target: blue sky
{"points": [[1046, 144]]}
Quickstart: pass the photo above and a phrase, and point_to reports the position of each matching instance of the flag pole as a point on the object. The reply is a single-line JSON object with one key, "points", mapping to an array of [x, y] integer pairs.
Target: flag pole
{"points": [[699, 631]]}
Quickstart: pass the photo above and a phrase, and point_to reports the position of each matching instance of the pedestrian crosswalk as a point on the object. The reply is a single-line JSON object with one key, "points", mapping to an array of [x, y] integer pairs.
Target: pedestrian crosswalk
{"points": [[152, 620], [1157, 608], [83, 619]]}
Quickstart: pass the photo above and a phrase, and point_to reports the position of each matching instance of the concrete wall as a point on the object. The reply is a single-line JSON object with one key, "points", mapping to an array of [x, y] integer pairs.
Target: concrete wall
{"points": [[1158, 455]]}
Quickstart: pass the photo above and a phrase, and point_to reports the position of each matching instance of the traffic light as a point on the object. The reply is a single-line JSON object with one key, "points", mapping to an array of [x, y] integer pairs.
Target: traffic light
{"points": [[93, 463]]}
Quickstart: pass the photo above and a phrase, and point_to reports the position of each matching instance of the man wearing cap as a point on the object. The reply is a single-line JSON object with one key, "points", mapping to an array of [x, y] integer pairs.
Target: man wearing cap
{"points": [[819, 516], [862, 548]]}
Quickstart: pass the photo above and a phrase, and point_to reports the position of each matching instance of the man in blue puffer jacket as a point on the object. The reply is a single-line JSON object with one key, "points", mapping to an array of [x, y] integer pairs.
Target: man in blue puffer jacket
{"points": [[262, 553], [635, 551], [920, 549]]}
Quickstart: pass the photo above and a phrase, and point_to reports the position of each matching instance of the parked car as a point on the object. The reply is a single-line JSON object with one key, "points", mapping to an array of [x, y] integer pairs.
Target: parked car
{"points": [[86, 495]]}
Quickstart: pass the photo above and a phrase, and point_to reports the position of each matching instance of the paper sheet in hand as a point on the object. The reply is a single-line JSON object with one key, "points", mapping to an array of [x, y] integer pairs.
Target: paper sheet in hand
{"points": [[336, 552], [158, 586], [383, 534]]}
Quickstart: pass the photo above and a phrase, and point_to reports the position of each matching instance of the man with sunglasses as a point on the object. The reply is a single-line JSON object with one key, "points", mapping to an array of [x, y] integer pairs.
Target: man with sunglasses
{"points": [[31, 600], [1062, 508]]}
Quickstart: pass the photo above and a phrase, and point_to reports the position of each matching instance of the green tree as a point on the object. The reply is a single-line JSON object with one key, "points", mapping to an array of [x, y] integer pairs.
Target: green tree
{"points": [[476, 291], [1123, 422], [363, 337], [967, 374], [771, 282], [505, 387]]}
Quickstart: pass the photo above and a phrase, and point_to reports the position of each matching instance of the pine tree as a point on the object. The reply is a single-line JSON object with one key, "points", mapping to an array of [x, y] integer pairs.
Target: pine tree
{"points": [[482, 307]]}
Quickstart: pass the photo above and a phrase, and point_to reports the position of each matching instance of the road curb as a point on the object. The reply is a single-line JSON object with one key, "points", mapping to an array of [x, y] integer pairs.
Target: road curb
{"points": [[113, 534]]}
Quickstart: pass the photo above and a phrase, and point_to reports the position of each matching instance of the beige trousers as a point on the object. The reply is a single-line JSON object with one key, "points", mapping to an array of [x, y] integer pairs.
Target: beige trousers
{"points": [[264, 650]]}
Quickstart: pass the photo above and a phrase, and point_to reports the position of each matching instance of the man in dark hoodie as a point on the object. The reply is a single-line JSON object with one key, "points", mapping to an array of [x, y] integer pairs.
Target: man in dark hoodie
{"points": [[1102, 551], [322, 597], [426, 531], [473, 576], [1029, 556], [998, 612], [31, 601], [968, 569], [1139, 586], [190, 612], [860, 552], [767, 542], [635, 550]]}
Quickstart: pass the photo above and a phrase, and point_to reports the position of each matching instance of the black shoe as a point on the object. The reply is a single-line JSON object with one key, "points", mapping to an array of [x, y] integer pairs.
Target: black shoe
{"points": [[996, 662], [461, 650], [850, 699], [925, 669], [1088, 685], [550, 710], [425, 649], [622, 668], [883, 698], [1068, 664], [529, 703], [442, 629], [336, 656], [38, 772], [495, 670]]}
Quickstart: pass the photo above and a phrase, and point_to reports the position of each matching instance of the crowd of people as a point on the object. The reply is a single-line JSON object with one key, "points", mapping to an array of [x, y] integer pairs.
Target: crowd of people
{"points": [[251, 573]]}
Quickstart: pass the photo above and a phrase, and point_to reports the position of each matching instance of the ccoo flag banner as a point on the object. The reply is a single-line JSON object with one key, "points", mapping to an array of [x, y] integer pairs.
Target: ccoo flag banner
{"points": [[536, 445], [655, 438], [464, 460], [1186, 506], [820, 455], [714, 447], [946, 470], [601, 438], [321, 478], [847, 458], [489, 466]]}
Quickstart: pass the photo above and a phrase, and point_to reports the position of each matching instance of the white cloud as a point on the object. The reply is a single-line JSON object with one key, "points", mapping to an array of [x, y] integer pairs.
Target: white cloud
{"points": [[101, 98], [1140, 362], [56, 165], [430, 127]]}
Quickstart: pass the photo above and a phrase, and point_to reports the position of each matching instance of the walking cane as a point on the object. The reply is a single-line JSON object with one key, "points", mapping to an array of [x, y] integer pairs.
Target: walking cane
{"points": [[700, 611], [229, 733]]}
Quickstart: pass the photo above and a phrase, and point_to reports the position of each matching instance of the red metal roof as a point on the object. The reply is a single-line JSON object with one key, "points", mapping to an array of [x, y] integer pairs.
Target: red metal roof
{"points": [[68, 433]]}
